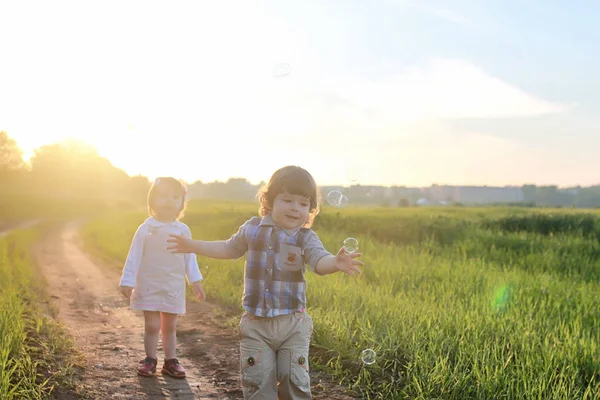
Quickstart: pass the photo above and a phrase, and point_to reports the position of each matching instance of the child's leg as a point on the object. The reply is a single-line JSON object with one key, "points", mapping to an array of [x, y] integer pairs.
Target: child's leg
{"points": [[292, 357], [151, 329], [168, 328], [169, 339], [147, 367], [258, 370]]}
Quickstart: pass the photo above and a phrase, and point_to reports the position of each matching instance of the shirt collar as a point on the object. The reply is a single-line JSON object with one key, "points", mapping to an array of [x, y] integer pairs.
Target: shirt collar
{"points": [[151, 221], [268, 221]]}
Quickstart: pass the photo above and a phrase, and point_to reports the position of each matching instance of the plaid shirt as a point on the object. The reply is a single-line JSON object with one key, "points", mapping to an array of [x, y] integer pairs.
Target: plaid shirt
{"points": [[274, 281]]}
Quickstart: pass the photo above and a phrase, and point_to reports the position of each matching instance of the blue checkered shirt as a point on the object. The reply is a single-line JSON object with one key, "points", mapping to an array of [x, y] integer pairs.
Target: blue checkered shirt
{"points": [[274, 282]]}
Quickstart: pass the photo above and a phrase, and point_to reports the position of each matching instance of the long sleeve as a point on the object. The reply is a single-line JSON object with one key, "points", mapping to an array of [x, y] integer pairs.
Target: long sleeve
{"points": [[313, 250], [237, 244], [134, 258], [192, 270]]}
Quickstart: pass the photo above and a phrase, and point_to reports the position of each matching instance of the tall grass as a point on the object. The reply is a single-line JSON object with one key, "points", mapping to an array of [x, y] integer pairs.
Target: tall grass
{"points": [[457, 303], [35, 352]]}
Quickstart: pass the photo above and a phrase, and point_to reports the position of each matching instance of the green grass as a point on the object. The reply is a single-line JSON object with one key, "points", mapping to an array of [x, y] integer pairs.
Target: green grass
{"points": [[16, 208], [36, 354], [458, 303]]}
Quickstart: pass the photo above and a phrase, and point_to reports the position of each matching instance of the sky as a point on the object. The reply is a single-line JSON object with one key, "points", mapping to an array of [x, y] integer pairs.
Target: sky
{"points": [[387, 92]]}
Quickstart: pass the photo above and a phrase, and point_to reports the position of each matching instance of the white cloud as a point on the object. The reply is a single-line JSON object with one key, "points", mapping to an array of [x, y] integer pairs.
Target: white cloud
{"points": [[354, 110], [446, 89], [443, 13], [194, 80]]}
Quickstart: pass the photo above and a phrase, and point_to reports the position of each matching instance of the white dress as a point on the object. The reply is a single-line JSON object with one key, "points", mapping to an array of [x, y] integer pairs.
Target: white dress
{"points": [[158, 276]]}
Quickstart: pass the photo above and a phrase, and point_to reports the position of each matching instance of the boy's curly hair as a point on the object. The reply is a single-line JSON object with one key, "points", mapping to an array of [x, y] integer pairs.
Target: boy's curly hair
{"points": [[294, 180]]}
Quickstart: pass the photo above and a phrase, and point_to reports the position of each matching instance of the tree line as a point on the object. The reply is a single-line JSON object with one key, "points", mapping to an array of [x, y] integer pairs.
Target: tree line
{"points": [[69, 169], [73, 169]]}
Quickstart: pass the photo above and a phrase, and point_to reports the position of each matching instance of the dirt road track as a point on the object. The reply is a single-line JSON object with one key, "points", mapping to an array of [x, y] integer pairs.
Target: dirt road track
{"points": [[110, 335]]}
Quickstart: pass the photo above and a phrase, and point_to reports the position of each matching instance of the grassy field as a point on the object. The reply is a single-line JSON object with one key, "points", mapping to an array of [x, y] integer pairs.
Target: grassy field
{"points": [[19, 207], [36, 354], [458, 303]]}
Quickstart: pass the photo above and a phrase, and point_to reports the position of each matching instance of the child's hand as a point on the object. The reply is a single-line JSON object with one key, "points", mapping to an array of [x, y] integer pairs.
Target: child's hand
{"points": [[126, 290], [181, 244], [199, 290], [346, 262]]}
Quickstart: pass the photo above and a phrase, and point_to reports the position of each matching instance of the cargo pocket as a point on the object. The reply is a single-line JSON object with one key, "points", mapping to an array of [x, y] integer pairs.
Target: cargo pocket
{"points": [[299, 369], [251, 371]]}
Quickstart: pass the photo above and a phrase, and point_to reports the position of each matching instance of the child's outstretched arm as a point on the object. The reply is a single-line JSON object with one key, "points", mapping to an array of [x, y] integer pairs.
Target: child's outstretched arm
{"points": [[212, 249], [132, 263], [233, 248], [343, 262], [322, 262]]}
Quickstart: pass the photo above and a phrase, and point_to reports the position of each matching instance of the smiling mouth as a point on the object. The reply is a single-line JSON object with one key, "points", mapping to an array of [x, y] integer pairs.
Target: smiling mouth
{"points": [[292, 217]]}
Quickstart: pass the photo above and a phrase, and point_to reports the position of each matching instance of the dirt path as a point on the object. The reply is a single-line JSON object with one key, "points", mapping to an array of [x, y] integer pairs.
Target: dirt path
{"points": [[110, 335], [6, 229]]}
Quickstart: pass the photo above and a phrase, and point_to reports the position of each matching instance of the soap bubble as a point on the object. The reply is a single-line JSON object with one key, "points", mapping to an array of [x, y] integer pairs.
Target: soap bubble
{"points": [[333, 197], [350, 245], [368, 356], [336, 198], [282, 69]]}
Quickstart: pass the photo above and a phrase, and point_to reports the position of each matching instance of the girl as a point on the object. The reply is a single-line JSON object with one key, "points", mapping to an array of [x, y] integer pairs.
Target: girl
{"points": [[275, 328], [154, 279]]}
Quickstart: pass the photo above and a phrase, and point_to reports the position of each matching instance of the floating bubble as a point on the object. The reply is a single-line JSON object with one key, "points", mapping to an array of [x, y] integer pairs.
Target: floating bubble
{"points": [[368, 356], [333, 197], [343, 201], [336, 198], [282, 69], [350, 245]]}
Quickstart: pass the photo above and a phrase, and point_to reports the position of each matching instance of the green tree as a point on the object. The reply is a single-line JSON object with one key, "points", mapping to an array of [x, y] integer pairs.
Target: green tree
{"points": [[74, 168], [403, 202], [13, 171], [11, 156]]}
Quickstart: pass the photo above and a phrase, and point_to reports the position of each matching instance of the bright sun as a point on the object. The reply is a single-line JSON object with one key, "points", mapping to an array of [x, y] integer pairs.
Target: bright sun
{"points": [[178, 100], [195, 90]]}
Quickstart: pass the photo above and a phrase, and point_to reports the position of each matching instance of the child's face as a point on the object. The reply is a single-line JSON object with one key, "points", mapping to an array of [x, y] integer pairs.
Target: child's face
{"points": [[290, 211], [167, 203]]}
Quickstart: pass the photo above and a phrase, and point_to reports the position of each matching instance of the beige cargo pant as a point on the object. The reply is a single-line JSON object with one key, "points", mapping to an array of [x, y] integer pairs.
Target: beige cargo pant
{"points": [[274, 356]]}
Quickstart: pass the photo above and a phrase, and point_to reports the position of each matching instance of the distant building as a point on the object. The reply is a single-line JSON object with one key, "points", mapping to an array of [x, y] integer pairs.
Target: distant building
{"points": [[476, 194], [241, 189]]}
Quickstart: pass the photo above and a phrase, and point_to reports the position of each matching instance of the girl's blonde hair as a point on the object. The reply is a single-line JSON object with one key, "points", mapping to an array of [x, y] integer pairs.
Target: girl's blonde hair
{"points": [[173, 184], [294, 180]]}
